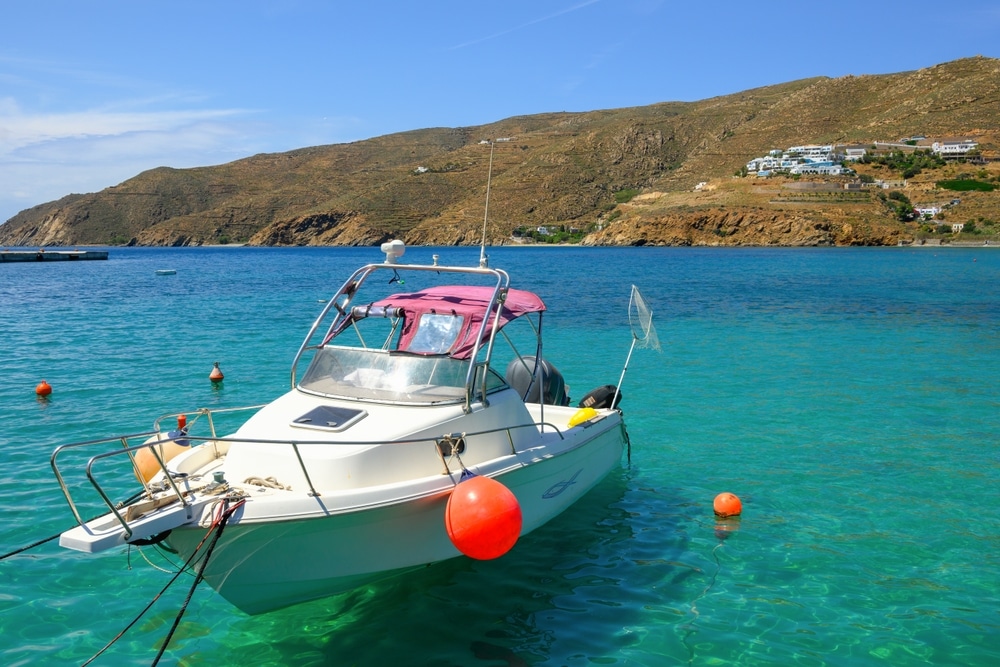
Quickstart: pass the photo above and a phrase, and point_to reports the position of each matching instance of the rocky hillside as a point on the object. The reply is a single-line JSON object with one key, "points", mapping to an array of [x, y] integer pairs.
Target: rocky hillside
{"points": [[428, 186]]}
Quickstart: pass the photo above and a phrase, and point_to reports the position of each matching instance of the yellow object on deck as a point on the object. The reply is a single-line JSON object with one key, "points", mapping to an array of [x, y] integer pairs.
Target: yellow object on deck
{"points": [[582, 415]]}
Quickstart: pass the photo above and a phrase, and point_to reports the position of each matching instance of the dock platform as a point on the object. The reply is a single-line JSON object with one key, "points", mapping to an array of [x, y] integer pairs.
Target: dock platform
{"points": [[42, 255]]}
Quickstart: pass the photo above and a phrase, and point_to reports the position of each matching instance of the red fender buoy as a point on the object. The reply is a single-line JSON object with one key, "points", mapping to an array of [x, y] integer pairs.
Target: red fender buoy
{"points": [[483, 518], [216, 374], [43, 388]]}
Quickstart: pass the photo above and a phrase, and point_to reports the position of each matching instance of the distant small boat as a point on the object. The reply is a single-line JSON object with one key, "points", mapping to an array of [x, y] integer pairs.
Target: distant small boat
{"points": [[165, 272]]}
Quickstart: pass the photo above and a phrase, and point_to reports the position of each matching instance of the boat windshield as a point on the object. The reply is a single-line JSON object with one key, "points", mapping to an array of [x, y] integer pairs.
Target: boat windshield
{"points": [[386, 376]]}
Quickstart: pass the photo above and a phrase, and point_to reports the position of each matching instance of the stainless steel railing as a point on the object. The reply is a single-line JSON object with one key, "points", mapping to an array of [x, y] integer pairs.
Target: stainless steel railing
{"points": [[129, 449]]}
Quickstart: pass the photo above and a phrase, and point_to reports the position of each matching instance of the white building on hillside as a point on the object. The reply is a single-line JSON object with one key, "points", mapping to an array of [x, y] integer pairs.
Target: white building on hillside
{"points": [[852, 153], [953, 146], [794, 158], [826, 167], [812, 151]]}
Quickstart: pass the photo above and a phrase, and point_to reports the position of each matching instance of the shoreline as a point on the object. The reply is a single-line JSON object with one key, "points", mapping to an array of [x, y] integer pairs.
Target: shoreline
{"points": [[67, 248]]}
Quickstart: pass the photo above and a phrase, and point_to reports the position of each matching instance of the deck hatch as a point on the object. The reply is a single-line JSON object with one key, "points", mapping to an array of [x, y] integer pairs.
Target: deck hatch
{"points": [[330, 417]]}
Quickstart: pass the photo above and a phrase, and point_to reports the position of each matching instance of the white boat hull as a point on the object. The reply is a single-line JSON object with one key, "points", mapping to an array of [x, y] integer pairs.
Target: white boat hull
{"points": [[346, 477], [260, 566]]}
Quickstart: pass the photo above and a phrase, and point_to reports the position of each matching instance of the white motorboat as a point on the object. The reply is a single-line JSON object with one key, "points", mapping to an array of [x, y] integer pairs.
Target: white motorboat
{"points": [[347, 477]]}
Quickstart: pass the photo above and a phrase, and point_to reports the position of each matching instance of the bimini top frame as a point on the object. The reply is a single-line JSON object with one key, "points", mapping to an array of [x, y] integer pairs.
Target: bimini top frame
{"points": [[462, 319]]}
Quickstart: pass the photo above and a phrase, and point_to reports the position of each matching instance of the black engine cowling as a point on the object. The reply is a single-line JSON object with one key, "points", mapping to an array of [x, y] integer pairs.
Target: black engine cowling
{"points": [[519, 376], [601, 398]]}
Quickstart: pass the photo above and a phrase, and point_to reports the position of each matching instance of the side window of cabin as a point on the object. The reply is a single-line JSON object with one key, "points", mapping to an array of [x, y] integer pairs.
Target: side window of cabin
{"points": [[436, 333]]}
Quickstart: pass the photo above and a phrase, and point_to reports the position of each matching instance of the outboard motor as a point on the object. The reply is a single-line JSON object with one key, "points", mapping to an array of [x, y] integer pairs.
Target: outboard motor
{"points": [[519, 376], [601, 398]]}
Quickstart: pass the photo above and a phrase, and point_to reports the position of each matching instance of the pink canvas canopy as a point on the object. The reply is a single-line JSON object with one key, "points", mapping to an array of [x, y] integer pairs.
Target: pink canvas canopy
{"points": [[470, 303]]}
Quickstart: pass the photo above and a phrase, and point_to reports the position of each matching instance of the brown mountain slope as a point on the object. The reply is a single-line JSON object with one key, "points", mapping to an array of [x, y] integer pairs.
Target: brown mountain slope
{"points": [[428, 186], [956, 98]]}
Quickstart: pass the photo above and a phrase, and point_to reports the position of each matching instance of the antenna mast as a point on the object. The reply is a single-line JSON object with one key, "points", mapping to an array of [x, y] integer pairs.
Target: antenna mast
{"points": [[489, 177]]}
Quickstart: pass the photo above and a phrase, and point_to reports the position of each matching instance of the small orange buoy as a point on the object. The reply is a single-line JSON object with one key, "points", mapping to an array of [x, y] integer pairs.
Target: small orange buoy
{"points": [[483, 518], [43, 388], [216, 374], [727, 504]]}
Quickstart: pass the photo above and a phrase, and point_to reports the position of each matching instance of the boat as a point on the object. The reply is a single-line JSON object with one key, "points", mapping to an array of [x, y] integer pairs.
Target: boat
{"points": [[166, 272], [357, 472]]}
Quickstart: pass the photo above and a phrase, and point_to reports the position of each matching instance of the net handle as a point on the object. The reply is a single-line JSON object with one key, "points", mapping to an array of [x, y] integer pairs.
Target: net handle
{"points": [[635, 338]]}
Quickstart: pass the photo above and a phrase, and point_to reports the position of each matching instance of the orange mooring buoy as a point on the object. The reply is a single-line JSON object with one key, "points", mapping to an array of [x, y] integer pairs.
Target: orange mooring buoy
{"points": [[216, 374], [43, 388], [483, 518], [727, 504]]}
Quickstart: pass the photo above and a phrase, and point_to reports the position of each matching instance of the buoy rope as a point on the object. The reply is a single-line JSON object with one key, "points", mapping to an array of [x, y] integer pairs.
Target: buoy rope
{"points": [[39, 543], [191, 559], [694, 603]]}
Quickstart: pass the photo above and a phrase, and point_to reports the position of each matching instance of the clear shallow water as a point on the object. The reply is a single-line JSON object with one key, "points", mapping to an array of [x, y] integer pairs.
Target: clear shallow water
{"points": [[848, 396]]}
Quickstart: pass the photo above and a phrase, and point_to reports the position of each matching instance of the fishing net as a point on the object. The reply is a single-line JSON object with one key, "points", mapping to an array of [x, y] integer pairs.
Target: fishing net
{"points": [[640, 319]]}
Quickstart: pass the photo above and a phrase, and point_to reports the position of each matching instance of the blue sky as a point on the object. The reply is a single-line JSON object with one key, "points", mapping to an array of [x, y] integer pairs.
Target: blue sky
{"points": [[92, 93]]}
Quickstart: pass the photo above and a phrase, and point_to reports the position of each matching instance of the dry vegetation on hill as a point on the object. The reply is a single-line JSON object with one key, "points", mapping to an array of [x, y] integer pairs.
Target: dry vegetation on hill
{"points": [[428, 186]]}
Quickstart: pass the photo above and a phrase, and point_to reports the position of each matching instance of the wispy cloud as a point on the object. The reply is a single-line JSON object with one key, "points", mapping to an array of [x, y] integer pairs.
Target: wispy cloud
{"points": [[532, 22], [44, 156], [20, 130]]}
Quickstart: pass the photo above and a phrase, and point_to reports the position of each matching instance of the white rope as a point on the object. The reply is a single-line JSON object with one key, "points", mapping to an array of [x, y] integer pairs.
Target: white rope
{"points": [[153, 565], [268, 482]]}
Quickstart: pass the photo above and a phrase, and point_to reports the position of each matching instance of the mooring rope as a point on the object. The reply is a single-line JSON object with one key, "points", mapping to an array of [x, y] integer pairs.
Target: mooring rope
{"points": [[628, 440], [214, 528], [32, 545], [218, 526], [151, 602], [39, 543]]}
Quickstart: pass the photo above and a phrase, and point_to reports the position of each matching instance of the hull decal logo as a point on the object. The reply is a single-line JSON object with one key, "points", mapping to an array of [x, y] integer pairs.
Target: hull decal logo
{"points": [[559, 487]]}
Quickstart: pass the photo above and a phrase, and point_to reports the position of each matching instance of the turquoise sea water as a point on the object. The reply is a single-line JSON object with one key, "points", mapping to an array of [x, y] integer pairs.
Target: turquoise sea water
{"points": [[848, 396]]}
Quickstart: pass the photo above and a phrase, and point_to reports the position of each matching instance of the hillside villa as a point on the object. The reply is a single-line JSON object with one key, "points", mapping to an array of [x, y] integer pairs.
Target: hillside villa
{"points": [[829, 160]]}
